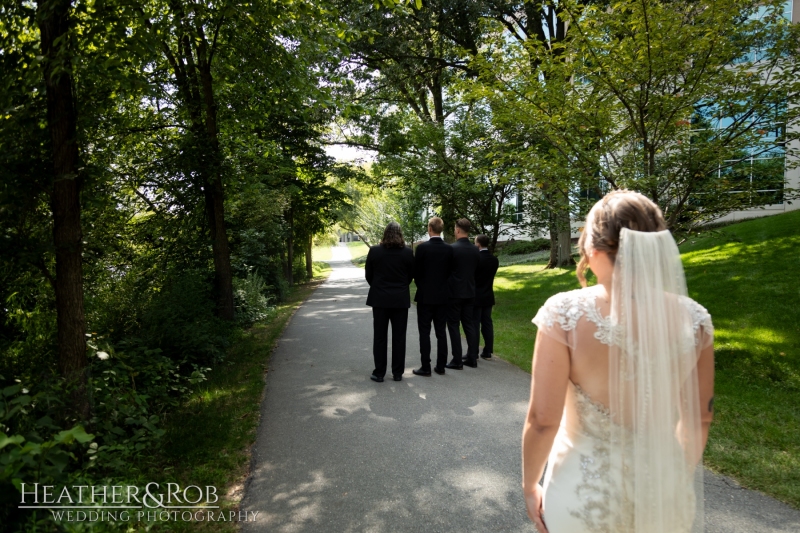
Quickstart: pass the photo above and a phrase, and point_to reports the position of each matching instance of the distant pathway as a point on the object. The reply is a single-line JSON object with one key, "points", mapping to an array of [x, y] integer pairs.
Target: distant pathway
{"points": [[339, 453]]}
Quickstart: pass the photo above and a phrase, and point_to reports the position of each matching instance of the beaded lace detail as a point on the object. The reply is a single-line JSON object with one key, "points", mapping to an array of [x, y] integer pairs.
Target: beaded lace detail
{"points": [[700, 317], [594, 416], [595, 492], [567, 308], [603, 490]]}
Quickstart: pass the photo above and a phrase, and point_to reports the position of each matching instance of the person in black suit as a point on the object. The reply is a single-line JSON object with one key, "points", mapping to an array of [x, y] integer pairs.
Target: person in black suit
{"points": [[432, 264], [484, 295], [461, 285], [389, 271]]}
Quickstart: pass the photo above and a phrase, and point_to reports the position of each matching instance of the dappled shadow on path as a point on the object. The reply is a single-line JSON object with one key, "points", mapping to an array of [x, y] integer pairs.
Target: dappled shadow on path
{"points": [[338, 452], [422, 454]]}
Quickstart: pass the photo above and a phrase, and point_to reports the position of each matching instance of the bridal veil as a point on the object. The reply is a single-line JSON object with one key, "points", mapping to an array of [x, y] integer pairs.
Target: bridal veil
{"points": [[656, 440]]}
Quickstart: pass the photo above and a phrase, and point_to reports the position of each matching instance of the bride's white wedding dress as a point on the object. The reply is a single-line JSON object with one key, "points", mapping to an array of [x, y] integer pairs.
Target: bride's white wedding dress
{"points": [[582, 485]]}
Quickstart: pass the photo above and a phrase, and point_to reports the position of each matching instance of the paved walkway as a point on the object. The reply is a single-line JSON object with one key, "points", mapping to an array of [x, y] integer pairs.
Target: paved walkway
{"points": [[339, 453]]}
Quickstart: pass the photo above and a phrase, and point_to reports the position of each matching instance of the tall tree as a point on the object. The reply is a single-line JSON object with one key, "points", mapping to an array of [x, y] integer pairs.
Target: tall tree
{"points": [[643, 96], [54, 21], [408, 58], [535, 29], [188, 35]]}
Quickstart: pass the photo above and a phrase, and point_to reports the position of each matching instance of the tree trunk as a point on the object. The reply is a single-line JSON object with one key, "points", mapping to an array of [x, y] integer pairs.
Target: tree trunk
{"points": [[290, 249], [195, 85], [564, 240], [309, 261], [553, 229], [220, 248], [284, 264], [363, 238], [219, 236], [65, 201], [560, 235], [449, 217]]}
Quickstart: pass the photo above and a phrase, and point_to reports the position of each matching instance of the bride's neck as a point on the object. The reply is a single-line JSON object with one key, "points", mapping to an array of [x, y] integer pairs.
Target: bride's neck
{"points": [[601, 265], [606, 288]]}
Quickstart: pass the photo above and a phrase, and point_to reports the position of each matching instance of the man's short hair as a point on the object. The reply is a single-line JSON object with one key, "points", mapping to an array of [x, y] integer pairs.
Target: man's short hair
{"points": [[436, 225], [464, 225], [483, 240]]}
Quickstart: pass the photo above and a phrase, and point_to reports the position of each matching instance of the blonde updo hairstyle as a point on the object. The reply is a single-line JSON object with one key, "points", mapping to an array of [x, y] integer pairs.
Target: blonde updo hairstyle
{"points": [[617, 210]]}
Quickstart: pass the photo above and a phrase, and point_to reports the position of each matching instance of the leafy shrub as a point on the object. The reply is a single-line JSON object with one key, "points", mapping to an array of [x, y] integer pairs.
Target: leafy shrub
{"points": [[259, 251], [134, 387], [33, 449], [250, 297], [182, 323], [524, 247], [27, 332], [331, 238]]}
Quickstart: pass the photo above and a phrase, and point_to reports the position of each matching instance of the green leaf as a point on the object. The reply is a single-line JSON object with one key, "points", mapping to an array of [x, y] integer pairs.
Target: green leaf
{"points": [[6, 440], [75, 434], [13, 389]]}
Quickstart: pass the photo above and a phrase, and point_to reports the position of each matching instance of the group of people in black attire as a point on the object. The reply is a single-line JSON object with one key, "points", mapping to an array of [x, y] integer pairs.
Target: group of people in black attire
{"points": [[454, 288]]}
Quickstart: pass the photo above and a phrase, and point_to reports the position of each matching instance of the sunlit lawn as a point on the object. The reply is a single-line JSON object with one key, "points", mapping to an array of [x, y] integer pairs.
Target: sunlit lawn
{"points": [[358, 252], [321, 253], [744, 275]]}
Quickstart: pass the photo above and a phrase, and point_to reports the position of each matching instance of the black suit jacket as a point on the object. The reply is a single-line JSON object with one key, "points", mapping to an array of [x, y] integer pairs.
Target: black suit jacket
{"points": [[433, 262], [484, 278], [389, 272], [465, 261]]}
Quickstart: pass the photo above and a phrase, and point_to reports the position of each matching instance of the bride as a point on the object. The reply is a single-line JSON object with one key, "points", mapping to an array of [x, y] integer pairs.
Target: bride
{"points": [[622, 385]]}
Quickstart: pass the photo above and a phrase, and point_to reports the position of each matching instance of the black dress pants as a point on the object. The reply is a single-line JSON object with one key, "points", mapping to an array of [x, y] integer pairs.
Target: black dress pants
{"points": [[381, 317], [482, 318], [460, 312], [438, 314]]}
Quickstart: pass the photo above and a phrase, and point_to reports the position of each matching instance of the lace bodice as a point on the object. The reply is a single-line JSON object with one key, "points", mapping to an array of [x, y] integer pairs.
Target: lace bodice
{"points": [[560, 317]]}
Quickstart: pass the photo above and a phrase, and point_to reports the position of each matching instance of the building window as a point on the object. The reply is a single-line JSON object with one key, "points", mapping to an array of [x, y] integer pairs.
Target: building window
{"points": [[758, 168]]}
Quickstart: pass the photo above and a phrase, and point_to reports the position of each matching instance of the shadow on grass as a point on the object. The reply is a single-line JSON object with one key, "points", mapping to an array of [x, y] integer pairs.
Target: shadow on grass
{"points": [[742, 275]]}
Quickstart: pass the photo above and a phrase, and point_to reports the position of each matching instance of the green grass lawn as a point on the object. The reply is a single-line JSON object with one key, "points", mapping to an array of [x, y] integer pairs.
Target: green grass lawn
{"points": [[208, 440], [358, 252], [321, 253], [743, 275]]}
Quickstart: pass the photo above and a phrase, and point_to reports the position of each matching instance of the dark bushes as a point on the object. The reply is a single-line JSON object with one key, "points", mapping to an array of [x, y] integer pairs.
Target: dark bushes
{"points": [[524, 247]]}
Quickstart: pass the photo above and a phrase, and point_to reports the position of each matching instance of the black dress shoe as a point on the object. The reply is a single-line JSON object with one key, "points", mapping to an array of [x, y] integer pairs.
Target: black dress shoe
{"points": [[487, 357], [472, 363], [397, 377], [421, 372], [439, 371], [454, 366], [379, 379]]}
